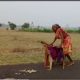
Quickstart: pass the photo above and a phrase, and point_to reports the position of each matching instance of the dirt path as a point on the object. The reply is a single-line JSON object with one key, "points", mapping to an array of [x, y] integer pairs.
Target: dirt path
{"points": [[20, 72]]}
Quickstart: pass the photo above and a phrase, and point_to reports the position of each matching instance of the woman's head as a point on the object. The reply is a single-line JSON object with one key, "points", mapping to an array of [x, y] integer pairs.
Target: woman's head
{"points": [[55, 27]]}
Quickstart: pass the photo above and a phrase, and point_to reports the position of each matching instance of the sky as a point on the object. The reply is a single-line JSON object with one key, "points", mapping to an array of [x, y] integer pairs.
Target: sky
{"points": [[42, 13]]}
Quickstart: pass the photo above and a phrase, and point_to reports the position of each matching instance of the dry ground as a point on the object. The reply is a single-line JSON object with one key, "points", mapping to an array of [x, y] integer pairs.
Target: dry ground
{"points": [[24, 47]]}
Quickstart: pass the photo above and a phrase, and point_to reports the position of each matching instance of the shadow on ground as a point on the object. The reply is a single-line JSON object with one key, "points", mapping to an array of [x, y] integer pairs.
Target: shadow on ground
{"points": [[14, 71]]}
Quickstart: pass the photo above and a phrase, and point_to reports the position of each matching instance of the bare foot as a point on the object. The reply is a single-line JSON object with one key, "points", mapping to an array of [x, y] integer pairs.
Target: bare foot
{"points": [[49, 69], [64, 64], [71, 63], [46, 67]]}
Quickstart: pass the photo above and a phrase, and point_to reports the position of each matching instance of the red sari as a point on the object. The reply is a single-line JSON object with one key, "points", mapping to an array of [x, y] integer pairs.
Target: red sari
{"points": [[67, 43]]}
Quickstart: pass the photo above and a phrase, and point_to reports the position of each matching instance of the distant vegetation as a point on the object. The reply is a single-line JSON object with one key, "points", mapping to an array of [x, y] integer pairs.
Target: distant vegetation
{"points": [[49, 30], [36, 30], [12, 25], [74, 30], [25, 25], [28, 28], [0, 25]]}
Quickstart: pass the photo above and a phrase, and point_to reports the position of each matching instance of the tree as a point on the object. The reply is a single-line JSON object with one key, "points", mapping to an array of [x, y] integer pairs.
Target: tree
{"points": [[25, 25], [0, 25], [79, 29], [12, 25], [38, 27]]}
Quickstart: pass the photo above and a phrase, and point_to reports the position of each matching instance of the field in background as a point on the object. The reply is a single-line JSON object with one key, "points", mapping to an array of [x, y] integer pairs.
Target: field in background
{"points": [[23, 47]]}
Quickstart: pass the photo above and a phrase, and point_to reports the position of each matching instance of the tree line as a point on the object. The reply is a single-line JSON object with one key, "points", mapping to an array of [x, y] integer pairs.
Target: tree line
{"points": [[26, 27], [13, 25]]}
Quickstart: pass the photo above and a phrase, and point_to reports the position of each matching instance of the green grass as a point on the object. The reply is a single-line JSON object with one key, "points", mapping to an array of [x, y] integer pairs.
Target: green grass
{"points": [[47, 30], [37, 30], [73, 31]]}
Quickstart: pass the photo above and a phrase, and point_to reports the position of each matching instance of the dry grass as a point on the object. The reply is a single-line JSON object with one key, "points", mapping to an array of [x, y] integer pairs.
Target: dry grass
{"points": [[24, 47]]}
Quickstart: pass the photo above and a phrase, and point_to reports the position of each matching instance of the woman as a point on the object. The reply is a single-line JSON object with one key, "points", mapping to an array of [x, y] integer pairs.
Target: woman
{"points": [[66, 43]]}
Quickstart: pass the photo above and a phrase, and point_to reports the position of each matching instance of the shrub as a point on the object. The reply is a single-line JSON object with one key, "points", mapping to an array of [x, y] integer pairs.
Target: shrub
{"points": [[12, 25], [25, 25]]}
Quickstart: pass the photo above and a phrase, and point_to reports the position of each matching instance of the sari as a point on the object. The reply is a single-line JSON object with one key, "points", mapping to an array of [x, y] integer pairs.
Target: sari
{"points": [[67, 43], [54, 52]]}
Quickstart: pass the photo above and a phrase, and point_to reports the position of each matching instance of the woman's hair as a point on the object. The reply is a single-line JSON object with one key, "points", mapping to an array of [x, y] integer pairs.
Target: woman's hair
{"points": [[55, 26]]}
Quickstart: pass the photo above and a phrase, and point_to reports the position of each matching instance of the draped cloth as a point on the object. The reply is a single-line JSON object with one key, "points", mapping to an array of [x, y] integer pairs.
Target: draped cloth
{"points": [[67, 43], [55, 53]]}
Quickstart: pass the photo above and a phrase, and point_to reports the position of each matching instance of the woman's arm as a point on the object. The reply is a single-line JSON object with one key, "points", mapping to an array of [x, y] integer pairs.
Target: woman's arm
{"points": [[54, 41], [62, 38]]}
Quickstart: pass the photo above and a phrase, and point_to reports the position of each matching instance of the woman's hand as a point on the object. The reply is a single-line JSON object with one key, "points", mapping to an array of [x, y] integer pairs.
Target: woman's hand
{"points": [[51, 44]]}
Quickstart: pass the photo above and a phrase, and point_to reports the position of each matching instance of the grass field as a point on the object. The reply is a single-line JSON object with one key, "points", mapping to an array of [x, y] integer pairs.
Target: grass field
{"points": [[24, 47]]}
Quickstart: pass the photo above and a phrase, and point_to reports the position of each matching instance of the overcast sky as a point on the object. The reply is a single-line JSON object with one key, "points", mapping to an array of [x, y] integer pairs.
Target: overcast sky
{"points": [[43, 13]]}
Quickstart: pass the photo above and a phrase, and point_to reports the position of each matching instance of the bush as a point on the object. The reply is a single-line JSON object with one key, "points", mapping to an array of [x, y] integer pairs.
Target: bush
{"points": [[25, 25], [0, 25], [12, 25], [79, 29], [47, 30], [72, 31], [36, 30]]}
